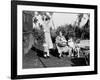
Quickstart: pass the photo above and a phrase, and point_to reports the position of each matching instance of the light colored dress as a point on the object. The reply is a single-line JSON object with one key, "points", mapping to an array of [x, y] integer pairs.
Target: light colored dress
{"points": [[48, 42], [61, 40]]}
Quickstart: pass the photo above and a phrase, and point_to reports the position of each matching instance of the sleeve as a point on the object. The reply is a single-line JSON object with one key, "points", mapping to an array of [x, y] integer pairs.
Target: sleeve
{"points": [[57, 39], [64, 39]]}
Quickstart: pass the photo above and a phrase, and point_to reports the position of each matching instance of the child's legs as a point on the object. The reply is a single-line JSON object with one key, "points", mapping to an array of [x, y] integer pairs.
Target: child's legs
{"points": [[48, 52], [70, 51], [60, 52], [78, 52]]}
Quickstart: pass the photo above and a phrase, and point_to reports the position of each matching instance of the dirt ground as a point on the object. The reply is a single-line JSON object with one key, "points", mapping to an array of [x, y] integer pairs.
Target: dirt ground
{"points": [[34, 59]]}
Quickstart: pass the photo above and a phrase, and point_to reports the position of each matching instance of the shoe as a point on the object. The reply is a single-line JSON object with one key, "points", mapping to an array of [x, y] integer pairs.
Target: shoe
{"points": [[62, 55], [45, 56], [48, 56], [59, 57]]}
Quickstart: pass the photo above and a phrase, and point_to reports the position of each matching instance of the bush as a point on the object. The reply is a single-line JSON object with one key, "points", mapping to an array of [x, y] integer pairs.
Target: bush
{"points": [[67, 31], [39, 37]]}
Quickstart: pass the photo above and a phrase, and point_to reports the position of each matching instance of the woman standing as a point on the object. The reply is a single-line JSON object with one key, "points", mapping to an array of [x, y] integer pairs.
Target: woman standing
{"points": [[48, 42]]}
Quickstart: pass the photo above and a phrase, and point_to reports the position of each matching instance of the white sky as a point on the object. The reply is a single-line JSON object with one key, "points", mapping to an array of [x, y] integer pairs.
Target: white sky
{"points": [[68, 18], [64, 18]]}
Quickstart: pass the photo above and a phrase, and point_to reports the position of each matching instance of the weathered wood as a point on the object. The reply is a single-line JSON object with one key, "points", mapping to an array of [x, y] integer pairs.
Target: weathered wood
{"points": [[28, 43]]}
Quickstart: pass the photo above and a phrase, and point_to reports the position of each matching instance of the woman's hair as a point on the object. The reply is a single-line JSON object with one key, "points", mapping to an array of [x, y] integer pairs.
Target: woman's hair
{"points": [[45, 17]]}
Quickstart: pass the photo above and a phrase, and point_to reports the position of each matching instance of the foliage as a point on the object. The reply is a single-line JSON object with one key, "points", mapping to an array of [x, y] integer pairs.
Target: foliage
{"points": [[67, 31], [72, 31], [38, 35]]}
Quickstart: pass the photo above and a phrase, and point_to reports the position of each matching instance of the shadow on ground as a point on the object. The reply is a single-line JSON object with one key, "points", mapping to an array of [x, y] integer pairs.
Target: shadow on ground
{"points": [[34, 59]]}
